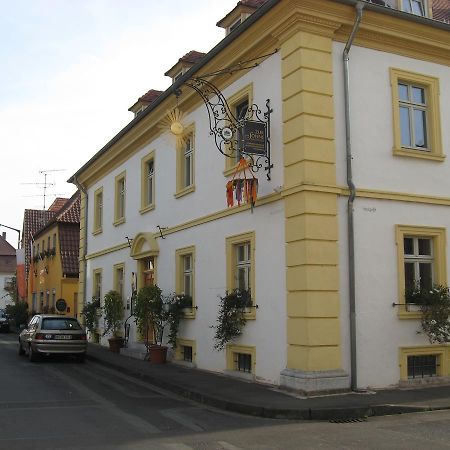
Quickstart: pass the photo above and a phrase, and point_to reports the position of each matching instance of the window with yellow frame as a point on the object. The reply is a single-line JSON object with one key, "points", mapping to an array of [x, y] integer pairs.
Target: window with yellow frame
{"points": [[148, 183], [186, 163], [98, 211], [421, 261], [416, 115], [97, 284], [239, 104], [241, 359], [119, 199], [185, 275], [119, 277], [240, 250]]}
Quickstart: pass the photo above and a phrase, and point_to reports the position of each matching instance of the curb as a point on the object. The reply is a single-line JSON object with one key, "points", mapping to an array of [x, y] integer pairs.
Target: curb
{"points": [[336, 415]]}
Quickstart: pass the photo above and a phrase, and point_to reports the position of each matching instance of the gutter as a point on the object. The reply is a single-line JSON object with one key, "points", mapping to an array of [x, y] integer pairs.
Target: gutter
{"points": [[350, 223], [82, 189]]}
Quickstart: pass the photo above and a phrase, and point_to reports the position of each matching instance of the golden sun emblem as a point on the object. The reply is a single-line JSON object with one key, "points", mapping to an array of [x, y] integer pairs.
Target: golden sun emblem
{"points": [[174, 122]]}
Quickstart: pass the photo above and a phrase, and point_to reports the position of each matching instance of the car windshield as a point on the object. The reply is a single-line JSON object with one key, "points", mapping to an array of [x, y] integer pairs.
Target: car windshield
{"points": [[60, 324]]}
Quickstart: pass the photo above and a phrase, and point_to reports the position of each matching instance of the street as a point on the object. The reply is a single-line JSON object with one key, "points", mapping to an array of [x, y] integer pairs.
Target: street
{"points": [[60, 404]]}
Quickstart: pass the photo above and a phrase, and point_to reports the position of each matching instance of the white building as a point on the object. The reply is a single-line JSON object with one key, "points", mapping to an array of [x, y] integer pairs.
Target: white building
{"points": [[159, 210], [7, 270]]}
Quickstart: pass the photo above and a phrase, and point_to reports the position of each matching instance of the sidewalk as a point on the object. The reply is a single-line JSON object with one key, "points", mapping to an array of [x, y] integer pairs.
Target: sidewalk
{"points": [[255, 399]]}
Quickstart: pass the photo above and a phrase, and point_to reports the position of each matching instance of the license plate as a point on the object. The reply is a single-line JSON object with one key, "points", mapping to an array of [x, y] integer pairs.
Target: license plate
{"points": [[63, 337]]}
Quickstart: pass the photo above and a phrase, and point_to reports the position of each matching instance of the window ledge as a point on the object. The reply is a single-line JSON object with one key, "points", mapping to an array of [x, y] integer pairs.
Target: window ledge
{"points": [[189, 314], [185, 191], [418, 154], [97, 231], [408, 315], [147, 208], [250, 313], [118, 222]]}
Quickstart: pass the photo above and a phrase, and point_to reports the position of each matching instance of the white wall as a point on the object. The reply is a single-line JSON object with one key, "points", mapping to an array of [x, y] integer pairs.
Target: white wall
{"points": [[380, 333], [267, 332]]}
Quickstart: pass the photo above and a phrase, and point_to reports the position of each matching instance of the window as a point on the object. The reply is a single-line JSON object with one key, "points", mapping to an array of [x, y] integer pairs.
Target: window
{"points": [[54, 241], [240, 264], [148, 183], [422, 366], [48, 243], [241, 358], [119, 270], [185, 164], [185, 275], [98, 210], [414, 7], [119, 210], [239, 104], [97, 284], [416, 115], [421, 260], [185, 351]]}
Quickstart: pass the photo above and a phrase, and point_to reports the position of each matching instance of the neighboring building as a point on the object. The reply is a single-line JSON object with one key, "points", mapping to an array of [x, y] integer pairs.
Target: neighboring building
{"points": [[7, 270], [53, 274], [292, 248]]}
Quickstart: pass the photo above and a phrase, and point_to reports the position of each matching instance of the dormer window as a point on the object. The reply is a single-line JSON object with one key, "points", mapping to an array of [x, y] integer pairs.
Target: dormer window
{"points": [[234, 25], [416, 7]]}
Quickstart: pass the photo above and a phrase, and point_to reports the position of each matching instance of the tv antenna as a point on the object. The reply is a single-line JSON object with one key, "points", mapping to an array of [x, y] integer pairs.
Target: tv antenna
{"points": [[46, 184]]}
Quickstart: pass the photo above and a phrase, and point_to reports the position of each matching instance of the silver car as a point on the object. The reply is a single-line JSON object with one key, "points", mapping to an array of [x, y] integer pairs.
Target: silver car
{"points": [[52, 334]]}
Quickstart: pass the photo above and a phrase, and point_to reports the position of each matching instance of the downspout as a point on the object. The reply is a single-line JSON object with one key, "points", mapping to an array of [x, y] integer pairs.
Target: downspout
{"points": [[84, 191], [350, 231]]}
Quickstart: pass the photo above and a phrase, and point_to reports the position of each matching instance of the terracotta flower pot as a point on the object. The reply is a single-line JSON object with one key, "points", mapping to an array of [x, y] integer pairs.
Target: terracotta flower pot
{"points": [[115, 344], [158, 354]]}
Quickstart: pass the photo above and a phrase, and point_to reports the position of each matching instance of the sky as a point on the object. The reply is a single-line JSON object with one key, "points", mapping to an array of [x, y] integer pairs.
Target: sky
{"points": [[70, 69]]}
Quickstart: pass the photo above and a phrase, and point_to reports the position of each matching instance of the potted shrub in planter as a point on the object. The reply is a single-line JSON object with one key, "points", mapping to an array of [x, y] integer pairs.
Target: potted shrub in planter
{"points": [[151, 318], [177, 306], [113, 310], [91, 317], [231, 318]]}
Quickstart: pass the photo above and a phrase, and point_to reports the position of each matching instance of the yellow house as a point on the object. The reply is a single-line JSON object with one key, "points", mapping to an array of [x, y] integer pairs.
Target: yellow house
{"points": [[53, 277]]}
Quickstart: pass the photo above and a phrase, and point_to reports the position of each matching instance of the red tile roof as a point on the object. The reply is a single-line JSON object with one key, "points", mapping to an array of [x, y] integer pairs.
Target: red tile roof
{"points": [[6, 249], [70, 213], [150, 96], [58, 204], [69, 244], [33, 220], [441, 10], [191, 58]]}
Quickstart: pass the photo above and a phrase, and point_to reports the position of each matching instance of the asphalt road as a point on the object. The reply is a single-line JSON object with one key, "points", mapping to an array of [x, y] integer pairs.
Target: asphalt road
{"points": [[60, 404]]}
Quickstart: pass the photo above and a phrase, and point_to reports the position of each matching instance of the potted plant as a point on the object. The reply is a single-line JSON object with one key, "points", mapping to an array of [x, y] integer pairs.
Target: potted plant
{"points": [[434, 304], [177, 306], [151, 318], [91, 317], [113, 310], [231, 318]]}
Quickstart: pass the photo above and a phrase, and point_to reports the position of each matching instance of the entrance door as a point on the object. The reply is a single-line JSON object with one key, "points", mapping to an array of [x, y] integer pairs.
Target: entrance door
{"points": [[148, 279]]}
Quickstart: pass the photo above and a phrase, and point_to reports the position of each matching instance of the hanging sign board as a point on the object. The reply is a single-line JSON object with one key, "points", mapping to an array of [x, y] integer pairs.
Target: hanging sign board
{"points": [[255, 140]]}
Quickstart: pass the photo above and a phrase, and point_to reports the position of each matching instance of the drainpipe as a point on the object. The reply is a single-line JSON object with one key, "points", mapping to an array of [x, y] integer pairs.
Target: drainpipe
{"points": [[84, 191], [351, 236]]}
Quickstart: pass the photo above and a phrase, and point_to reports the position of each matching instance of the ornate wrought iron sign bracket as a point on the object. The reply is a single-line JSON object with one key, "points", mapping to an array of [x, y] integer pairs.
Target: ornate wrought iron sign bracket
{"points": [[245, 134]]}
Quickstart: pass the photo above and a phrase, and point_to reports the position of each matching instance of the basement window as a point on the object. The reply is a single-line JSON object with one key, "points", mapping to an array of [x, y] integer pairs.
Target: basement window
{"points": [[423, 366], [243, 362], [186, 352]]}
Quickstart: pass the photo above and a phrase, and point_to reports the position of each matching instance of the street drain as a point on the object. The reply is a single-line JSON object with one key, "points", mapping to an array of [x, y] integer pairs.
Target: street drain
{"points": [[349, 420]]}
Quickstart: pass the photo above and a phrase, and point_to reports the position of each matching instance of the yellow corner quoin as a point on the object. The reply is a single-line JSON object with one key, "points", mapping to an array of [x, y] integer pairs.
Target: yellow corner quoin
{"points": [[311, 215]]}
